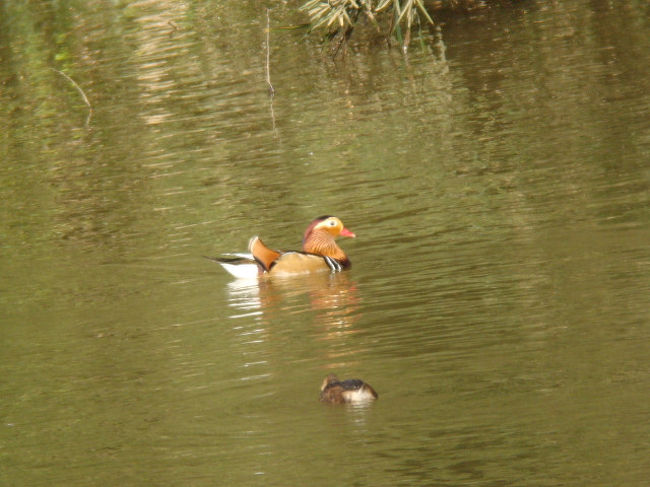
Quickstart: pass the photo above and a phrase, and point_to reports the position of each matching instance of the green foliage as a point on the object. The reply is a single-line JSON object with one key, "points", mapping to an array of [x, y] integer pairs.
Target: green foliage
{"points": [[340, 16]]}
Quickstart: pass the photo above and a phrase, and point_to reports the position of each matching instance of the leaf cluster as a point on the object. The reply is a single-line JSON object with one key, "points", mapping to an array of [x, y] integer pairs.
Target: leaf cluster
{"points": [[338, 16]]}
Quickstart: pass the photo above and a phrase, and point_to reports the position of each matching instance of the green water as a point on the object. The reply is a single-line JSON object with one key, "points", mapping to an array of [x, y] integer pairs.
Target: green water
{"points": [[498, 184]]}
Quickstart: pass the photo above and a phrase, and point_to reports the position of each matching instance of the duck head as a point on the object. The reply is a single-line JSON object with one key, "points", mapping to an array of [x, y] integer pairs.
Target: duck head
{"points": [[330, 225]]}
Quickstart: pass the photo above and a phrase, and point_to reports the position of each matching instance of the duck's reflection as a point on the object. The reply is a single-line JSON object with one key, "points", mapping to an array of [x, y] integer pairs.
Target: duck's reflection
{"points": [[244, 296], [333, 296]]}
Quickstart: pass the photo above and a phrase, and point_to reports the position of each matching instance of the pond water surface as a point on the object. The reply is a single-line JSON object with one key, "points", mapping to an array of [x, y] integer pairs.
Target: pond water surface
{"points": [[497, 179]]}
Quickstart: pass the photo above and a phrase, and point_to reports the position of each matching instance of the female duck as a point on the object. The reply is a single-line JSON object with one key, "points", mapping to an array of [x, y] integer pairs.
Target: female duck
{"points": [[320, 252], [346, 391]]}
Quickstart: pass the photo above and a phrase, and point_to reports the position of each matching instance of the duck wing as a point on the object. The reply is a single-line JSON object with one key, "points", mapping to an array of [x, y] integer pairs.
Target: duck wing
{"points": [[262, 254]]}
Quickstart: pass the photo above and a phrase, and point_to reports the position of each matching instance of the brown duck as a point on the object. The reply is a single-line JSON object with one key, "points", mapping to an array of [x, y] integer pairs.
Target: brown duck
{"points": [[346, 391], [320, 252]]}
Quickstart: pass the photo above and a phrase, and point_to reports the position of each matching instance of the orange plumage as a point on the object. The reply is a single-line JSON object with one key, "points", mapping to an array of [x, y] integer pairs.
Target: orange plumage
{"points": [[320, 252]]}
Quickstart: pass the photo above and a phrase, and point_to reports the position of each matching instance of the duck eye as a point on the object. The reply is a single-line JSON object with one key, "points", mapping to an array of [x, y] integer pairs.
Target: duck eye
{"points": [[332, 223]]}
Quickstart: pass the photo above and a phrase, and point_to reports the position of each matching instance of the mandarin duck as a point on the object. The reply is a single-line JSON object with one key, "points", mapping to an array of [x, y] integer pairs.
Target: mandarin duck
{"points": [[319, 253], [346, 391]]}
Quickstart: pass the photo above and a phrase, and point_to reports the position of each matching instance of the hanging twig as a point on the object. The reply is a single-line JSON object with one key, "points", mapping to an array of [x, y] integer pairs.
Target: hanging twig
{"points": [[81, 92], [268, 52], [268, 69]]}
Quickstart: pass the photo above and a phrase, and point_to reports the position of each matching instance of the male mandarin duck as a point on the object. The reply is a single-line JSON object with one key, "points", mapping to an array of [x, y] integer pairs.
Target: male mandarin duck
{"points": [[319, 253], [346, 391]]}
